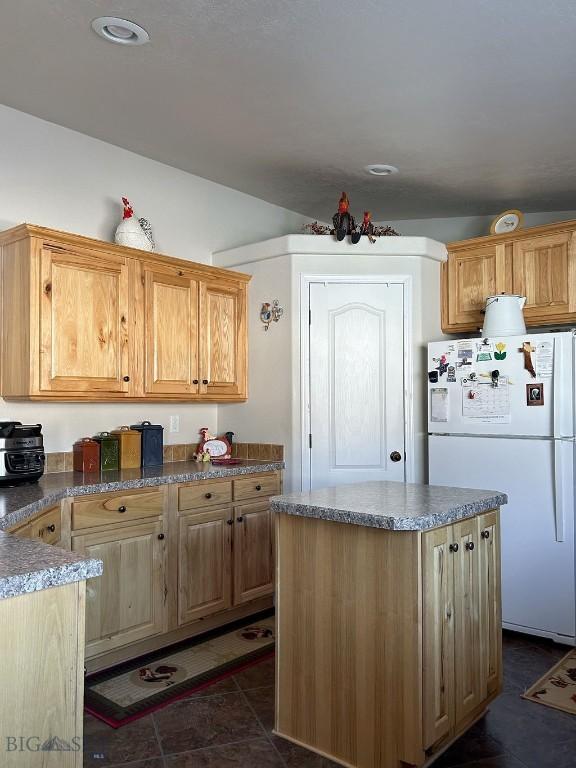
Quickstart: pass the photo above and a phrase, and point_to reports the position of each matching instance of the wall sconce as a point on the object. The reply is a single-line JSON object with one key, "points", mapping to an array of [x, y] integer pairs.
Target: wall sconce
{"points": [[271, 313]]}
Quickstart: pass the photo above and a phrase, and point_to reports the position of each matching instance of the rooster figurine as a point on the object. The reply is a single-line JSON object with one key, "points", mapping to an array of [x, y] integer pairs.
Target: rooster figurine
{"points": [[343, 220], [367, 228], [133, 232]]}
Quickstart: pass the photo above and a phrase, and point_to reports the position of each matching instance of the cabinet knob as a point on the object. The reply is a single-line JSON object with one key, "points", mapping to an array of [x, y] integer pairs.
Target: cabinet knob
{"points": [[194, 381], [230, 522], [258, 487], [51, 528], [240, 519], [485, 534], [453, 547], [207, 495], [204, 381], [122, 508], [469, 546], [160, 536], [125, 378]]}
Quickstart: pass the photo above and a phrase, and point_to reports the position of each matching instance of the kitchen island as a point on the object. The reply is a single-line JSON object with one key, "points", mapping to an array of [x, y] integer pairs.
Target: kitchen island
{"points": [[389, 629]]}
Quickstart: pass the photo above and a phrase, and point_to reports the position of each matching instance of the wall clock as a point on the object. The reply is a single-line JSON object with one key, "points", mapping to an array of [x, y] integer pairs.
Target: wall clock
{"points": [[507, 221]]}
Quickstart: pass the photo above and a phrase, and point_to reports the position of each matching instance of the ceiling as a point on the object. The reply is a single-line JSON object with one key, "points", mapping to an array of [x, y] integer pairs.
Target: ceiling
{"points": [[475, 102]]}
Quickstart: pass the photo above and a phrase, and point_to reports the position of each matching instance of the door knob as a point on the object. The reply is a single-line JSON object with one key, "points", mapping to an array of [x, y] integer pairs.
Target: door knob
{"points": [[396, 456], [453, 547]]}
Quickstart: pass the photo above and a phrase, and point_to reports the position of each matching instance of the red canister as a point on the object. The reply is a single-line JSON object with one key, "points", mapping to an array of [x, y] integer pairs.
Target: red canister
{"points": [[86, 455]]}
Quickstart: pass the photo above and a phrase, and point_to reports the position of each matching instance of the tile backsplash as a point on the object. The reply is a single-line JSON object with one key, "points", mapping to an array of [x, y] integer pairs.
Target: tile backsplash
{"points": [[62, 461]]}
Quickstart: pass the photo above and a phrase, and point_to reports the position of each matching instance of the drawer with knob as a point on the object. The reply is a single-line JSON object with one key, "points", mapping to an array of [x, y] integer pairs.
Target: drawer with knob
{"points": [[104, 510], [253, 487], [47, 527], [200, 495]]}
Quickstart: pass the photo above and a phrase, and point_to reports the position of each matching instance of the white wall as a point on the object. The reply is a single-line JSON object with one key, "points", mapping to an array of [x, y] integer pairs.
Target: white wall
{"points": [[58, 178], [462, 227], [272, 413]]}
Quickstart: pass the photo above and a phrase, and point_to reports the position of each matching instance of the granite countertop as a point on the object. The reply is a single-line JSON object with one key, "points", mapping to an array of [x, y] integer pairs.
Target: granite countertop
{"points": [[390, 505], [28, 565]]}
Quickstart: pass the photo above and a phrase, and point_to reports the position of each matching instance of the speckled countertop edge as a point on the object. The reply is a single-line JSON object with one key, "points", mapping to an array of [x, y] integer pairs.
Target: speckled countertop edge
{"points": [[27, 565], [16, 506], [423, 519]]}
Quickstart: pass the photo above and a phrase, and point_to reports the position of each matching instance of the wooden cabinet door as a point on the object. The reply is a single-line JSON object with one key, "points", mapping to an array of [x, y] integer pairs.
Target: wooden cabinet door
{"points": [[223, 339], [467, 658], [204, 564], [171, 332], [438, 634], [253, 552], [472, 275], [126, 603], [490, 602], [84, 322], [544, 270]]}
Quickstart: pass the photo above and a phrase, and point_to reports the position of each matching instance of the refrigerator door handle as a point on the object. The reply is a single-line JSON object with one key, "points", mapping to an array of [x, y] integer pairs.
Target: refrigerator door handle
{"points": [[559, 506]]}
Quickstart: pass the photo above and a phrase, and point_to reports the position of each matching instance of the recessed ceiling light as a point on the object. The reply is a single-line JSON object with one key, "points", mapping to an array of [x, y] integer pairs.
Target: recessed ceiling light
{"points": [[120, 31], [379, 169]]}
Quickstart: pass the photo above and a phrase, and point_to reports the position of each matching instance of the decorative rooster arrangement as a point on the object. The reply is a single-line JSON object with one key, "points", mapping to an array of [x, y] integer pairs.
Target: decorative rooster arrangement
{"points": [[345, 224], [133, 232]]}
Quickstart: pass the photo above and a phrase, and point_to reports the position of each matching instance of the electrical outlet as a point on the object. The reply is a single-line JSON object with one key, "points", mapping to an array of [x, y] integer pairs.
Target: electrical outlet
{"points": [[174, 423]]}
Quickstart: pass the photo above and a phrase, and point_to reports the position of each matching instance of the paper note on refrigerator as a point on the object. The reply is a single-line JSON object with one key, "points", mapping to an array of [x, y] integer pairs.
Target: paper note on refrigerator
{"points": [[484, 402], [439, 404], [544, 359]]}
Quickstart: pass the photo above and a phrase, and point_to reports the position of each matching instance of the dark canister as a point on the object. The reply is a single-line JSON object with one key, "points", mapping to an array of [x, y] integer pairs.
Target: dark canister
{"points": [[109, 451], [152, 443], [86, 454]]}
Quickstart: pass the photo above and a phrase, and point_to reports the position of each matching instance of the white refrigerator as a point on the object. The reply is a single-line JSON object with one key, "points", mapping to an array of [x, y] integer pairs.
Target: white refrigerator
{"points": [[501, 417]]}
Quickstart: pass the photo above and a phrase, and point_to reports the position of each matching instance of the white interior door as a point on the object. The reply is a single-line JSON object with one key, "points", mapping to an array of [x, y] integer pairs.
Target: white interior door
{"points": [[356, 383]]}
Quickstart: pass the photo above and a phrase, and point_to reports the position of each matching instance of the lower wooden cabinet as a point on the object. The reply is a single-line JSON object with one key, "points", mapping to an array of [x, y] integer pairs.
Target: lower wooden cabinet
{"points": [[253, 552], [225, 558], [461, 623], [204, 564], [176, 558], [399, 631], [126, 603]]}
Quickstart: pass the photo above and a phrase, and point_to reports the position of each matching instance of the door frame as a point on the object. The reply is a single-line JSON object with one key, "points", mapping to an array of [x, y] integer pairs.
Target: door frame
{"points": [[306, 280]]}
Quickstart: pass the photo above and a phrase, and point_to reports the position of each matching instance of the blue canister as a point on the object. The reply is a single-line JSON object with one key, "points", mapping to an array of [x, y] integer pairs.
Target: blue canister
{"points": [[152, 443]]}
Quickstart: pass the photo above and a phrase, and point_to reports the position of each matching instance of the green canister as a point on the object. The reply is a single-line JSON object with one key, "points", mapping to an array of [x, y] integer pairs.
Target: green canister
{"points": [[109, 451]]}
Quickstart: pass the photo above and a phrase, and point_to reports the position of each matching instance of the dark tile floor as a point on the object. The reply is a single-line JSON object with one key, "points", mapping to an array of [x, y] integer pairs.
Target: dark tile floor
{"points": [[229, 726]]}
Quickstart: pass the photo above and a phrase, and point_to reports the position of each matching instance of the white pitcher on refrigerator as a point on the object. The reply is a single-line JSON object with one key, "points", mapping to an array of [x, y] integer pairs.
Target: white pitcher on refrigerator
{"points": [[503, 316]]}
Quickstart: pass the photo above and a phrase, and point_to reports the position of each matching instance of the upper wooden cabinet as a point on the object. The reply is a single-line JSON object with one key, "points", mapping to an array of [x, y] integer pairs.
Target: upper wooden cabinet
{"points": [[83, 322], [539, 263], [99, 321], [171, 332], [222, 354]]}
